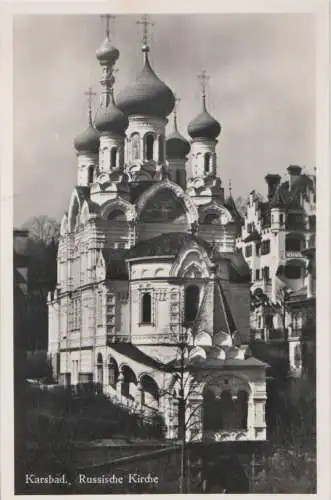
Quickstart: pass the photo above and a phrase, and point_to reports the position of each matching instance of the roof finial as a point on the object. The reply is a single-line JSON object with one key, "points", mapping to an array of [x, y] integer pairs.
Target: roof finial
{"points": [[90, 94], [203, 77], [230, 188], [145, 23], [177, 101], [108, 18]]}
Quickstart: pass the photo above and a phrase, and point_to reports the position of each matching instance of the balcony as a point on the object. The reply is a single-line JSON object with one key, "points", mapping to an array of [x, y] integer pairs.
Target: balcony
{"points": [[293, 253], [225, 435]]}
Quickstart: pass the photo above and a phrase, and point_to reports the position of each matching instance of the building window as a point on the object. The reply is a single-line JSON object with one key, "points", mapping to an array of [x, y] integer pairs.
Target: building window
{"points": [[293, 244], [135, 146], [312, 223], [265, 247], [161, 149], [112, 373], [90, 174], [248, 251], [113, 157], [100, 369], [249, 227], [257, 274], [207, 161], [192, 294], [281, 218], [295, 221], [258, 248], [147, 308], [149, 147], [178, 177], [292, 272], [266, 273]]}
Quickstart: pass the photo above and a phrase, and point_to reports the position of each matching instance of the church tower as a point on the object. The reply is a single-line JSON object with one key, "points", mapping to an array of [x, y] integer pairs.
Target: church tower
{"points": [[87, 148], [177, 149], [204, 130], [147, 102], [110, 121]]}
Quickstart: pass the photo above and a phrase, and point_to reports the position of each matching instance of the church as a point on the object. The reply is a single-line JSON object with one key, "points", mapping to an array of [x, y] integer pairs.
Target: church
{"points": [[152, 298]]}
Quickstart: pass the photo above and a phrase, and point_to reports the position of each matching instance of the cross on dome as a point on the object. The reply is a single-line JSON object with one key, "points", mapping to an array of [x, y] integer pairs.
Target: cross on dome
{"points": [[203, 77], [177, 101], [145, 23], [108, 18], [230, 187], [90, 94]]}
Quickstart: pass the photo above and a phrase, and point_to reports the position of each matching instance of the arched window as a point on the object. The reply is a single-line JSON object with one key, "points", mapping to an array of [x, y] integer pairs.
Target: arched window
{"points": [[161, 149], [135, 146], [100, 369], [113, 157], [112, 372], [149, 147], [105, 161], [192, 294], [178, 177], [90, 175], [241, 409], [228, 417], [207, 165], [146, 308]]}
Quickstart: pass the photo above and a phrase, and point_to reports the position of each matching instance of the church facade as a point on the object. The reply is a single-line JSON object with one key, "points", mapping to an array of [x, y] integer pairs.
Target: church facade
{"points": [[152, 297]]}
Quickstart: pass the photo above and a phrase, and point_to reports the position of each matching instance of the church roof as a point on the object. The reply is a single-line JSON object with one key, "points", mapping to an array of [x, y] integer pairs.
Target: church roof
{"points": [[204, 125], [227, 314], [111, 119], [147, 96], [166, 244]]}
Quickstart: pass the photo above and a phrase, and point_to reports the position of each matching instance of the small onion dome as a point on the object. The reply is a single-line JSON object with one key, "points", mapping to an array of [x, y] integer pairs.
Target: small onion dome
{"points": [[107, 54], [148, 95], [204, 126], [87, 141], [111, 119], [176, 145]]}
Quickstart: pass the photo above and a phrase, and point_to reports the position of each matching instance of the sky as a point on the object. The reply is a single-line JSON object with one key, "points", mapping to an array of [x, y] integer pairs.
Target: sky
{"points": [[261, 90]]}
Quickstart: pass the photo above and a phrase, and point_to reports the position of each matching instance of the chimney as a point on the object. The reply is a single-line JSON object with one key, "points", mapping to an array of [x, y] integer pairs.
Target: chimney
{"points": [[273, 181], [294, 171]]}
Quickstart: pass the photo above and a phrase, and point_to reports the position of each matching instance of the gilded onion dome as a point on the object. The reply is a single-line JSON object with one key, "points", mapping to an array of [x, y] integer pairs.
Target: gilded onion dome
{"points": [[111, 119], [176, 145], [107, 54], [88, 141], [148, 95], [204, 125]]}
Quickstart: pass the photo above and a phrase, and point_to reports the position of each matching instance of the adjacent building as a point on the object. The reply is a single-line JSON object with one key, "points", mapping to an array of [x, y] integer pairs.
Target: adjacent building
{"points": [[278, 243]]}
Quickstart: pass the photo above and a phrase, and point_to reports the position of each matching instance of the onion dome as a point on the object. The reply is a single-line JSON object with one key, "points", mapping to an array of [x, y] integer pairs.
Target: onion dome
{"points": [[107, 54], [87, 141], [111, 119], [148, 95], [176, 145], [204, 125]]}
